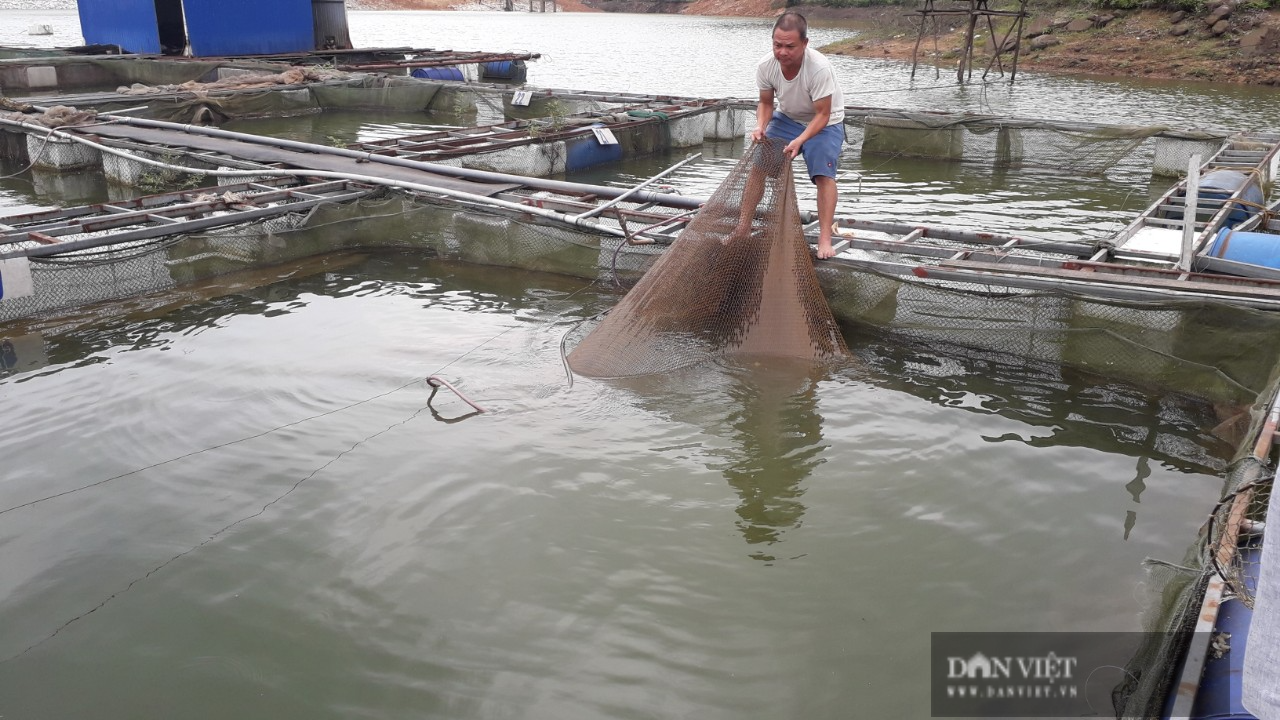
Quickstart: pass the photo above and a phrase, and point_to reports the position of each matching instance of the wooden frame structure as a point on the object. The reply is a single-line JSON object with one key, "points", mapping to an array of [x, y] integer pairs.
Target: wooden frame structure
{"points": [[929, 14]]}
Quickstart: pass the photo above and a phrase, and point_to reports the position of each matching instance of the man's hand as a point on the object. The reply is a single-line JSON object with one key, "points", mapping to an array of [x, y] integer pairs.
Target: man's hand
{"points": [[792, 149], [757, 135]]}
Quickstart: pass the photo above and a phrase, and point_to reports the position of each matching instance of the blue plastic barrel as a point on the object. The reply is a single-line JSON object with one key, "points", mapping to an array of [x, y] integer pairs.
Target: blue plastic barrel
{"points": [[500, 69], [1254, 248], [438, 73], [1219, 695], [584, 152], [1222, 184], [512, 70]]}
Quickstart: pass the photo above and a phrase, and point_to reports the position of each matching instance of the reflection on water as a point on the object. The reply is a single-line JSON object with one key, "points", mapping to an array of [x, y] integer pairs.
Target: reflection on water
{"points": [[1075, 409], [773, 425], [577, 546], [340, 128], [766, 409], [591, 552], [777, 432]]}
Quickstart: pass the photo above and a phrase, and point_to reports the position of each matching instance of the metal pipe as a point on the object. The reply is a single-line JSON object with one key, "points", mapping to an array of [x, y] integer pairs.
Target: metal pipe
{"points": [[368, 179], [971, 236], [664, 221], [465, 173], [1191, 206], [601, 208], [1094, 288]]}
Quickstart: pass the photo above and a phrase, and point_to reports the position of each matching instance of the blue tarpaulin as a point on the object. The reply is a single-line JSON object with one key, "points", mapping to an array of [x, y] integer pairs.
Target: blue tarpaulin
{"points": [[248, 27], [209, 28], [131, 24]]}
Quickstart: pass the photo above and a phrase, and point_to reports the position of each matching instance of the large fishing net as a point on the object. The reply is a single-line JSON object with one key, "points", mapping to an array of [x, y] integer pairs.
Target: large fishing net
{"points": [[738, 280]]}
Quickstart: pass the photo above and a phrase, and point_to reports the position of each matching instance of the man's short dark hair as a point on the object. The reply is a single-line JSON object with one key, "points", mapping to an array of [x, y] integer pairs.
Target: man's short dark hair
{"points": [[792, 20]]}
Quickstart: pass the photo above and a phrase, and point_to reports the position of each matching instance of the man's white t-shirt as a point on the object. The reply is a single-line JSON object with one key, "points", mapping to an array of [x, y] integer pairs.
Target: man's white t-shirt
{"points": [[815, 81]]}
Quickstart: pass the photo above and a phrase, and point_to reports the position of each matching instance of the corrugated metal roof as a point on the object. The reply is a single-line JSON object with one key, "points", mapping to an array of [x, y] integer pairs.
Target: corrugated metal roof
{"points": [[131, 24], [248, 27]]}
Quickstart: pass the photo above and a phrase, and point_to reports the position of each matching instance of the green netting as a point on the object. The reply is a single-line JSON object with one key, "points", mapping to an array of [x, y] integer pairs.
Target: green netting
{"points": [[238, 106], [74, 280], [127, 71], [543, 106], [1221, 353], [499, 241], [1216, 352], [19, 53], [464, 104], [376, 93], [1003, 142], [1177, 590]]}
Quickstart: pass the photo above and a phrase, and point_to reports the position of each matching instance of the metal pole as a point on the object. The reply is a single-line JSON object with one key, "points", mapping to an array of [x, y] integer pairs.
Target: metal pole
{"points": [[601, 208], [1189, 211], [681, 201], [553, 215]]}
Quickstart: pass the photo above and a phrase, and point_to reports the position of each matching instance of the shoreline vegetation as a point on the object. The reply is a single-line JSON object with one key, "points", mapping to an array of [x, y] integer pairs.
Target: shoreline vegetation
{"points": [[1229, 41]]}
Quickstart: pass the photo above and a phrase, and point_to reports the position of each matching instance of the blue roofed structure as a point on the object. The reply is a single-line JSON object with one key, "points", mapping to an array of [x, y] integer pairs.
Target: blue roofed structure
{"points": [[211, 28], [131, 24]]}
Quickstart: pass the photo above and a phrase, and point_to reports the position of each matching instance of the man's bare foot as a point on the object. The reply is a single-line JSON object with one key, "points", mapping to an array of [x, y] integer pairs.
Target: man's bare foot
{"points": [[824, 249], [741, 232]]}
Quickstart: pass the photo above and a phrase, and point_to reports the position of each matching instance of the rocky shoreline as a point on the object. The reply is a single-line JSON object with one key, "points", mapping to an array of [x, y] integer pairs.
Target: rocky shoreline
{"points": [[1230, 41]]}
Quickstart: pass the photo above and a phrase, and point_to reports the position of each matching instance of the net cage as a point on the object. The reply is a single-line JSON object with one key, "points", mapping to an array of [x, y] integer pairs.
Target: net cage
{"points": [[1228, 547], [1076, 148], [1220, 353], [72, 280], [1236, 526]]}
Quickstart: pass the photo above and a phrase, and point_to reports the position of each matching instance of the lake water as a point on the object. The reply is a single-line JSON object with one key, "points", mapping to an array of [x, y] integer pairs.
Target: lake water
{"points": [[237, 502]]}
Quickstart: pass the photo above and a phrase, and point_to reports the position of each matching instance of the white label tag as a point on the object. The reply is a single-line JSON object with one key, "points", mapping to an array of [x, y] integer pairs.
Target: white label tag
{"points": [[522, 98], [15, 278], [604, 136]]}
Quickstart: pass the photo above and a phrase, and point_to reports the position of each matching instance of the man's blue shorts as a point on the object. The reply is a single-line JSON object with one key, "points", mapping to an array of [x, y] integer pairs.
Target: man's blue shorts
{"points": [[821, 152]]}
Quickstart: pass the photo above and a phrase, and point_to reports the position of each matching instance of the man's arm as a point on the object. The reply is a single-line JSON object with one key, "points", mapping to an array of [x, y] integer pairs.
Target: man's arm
{"points": [[821, 114], [764, 113]]}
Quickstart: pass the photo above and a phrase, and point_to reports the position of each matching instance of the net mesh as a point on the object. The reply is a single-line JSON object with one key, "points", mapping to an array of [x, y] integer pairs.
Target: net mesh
{"points": [[738, 280], [1013, 143], [1227, 546], [74, 280], [1236, 523]]}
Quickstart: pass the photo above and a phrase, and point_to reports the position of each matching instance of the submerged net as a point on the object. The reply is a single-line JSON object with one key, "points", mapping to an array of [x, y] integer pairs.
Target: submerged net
{"points": [[1004, 142], [734, 282], [1227, 547]]}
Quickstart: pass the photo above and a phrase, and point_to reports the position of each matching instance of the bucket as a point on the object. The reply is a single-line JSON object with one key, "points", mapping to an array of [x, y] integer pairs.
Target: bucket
{"points": [[438, 73], [1253, 248], [1222, 184]]}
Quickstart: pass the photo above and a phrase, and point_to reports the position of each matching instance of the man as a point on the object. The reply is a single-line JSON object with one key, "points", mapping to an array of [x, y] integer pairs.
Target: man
{"points": [[809, 119]]}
